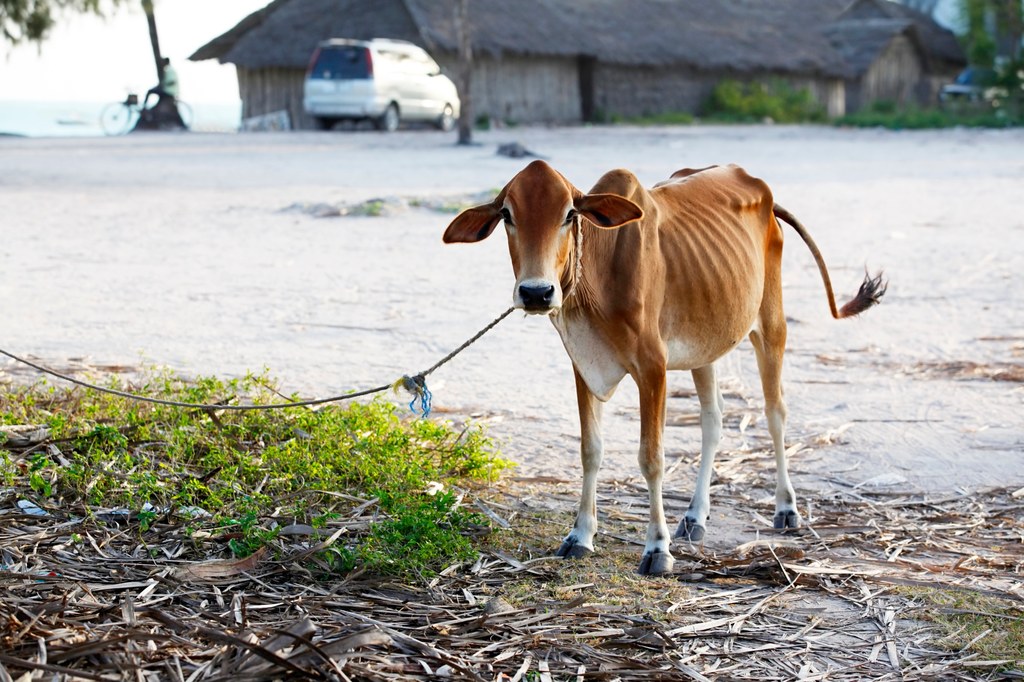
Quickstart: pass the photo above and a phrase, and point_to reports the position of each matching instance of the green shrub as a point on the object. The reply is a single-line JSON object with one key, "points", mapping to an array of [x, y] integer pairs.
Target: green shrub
{"points": [[246, 474], [737, 102], [420, 531]]}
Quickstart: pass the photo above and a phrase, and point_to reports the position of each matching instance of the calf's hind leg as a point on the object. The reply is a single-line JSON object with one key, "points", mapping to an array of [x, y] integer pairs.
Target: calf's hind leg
{"points": [[705, 382], [769, 344]]}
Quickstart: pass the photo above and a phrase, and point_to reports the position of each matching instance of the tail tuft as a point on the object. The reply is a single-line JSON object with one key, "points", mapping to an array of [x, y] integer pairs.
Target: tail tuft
{"points": [[871, 291]]}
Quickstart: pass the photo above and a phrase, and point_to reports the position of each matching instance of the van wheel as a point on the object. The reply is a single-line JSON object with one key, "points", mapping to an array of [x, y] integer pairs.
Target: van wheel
{"points": [[447, 120], [325, 123], [389, 120]]}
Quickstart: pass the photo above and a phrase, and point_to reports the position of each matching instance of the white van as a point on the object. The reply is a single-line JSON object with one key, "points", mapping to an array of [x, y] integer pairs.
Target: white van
{"points": [[385, 81]]}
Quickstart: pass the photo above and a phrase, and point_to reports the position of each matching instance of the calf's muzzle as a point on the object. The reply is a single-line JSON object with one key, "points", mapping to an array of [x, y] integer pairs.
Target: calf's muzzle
{"points": [[537, 297]]}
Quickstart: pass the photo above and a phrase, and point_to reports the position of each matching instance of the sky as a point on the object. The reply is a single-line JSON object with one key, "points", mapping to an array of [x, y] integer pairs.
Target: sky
{"points": [[87, 58]]}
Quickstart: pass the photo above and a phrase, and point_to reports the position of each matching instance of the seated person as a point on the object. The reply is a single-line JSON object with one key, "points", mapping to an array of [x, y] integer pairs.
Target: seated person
{"points": [[168, 86]]}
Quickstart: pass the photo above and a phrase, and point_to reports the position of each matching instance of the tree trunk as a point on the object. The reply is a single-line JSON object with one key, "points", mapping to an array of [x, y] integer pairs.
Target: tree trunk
{"points": [[465, 76], [164, 114], [154, 39]]}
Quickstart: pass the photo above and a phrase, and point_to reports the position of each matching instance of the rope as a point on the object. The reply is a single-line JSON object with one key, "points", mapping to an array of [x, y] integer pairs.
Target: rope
{"points": [[577, 271], [468, 343], [415, 384]]}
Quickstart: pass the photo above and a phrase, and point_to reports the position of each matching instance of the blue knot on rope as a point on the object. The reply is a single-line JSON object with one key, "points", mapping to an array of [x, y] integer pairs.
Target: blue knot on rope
{"points": [[417, 386]]}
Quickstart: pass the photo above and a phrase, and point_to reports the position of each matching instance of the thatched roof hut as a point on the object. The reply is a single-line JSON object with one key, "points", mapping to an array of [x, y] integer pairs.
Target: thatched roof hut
{"points": [[567, 60], [893, 53]]}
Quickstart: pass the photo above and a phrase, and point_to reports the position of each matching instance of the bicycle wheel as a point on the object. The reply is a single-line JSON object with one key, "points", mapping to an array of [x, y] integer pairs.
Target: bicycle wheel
{"points": [[185, 112], [118, 118]]}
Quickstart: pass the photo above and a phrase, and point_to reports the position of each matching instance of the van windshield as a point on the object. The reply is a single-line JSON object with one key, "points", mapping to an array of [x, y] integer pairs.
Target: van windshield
{"points": [[341, 62]]}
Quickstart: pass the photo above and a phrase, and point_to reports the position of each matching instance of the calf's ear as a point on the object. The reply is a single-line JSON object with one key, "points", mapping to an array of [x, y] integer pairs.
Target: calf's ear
{"points": [[472, 225], [607, 210]]}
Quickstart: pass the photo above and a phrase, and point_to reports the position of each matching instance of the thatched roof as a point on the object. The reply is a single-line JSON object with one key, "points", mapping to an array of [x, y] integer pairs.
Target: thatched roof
{"points": [[938, 43], [220, 45], [732, 35], [284, 33], [742, 36], [860, 41]]}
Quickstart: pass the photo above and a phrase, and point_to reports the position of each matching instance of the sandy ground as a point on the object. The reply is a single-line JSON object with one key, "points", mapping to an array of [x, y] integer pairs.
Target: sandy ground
{"points": [[181, 250]]}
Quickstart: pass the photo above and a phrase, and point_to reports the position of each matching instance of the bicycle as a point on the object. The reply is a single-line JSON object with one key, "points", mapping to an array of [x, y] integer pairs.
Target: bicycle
{"points": [[118, 118]]}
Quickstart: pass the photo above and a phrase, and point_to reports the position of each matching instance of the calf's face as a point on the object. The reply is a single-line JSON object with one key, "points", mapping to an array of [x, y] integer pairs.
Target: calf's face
{"points": [[540, 209]]}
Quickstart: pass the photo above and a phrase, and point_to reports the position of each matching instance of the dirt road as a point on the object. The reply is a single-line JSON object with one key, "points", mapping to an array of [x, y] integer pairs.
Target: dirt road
{"points": [[194, 251]]}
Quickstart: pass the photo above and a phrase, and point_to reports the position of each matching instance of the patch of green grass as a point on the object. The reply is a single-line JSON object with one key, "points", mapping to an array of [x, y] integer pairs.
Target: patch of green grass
{"points": [[454, 205], [888, 115], [420, 532], [373, 208], [667, 118], [608, 576], [975, 623], [247, 474]]}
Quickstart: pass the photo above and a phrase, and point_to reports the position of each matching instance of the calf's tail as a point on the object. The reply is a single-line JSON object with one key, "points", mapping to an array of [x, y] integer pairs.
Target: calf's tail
{"points": [[871, 289]]}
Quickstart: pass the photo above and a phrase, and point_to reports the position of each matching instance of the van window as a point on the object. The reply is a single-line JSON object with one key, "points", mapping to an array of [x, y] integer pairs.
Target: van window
{"points": [[341, 62], [411, 62], [423, 64], [401, 61]]}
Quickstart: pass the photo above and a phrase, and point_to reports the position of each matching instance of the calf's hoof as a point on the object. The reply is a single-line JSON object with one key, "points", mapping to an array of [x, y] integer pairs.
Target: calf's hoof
{"points": [[690, 529], [656, 563], [572, 549], [787, 518]]}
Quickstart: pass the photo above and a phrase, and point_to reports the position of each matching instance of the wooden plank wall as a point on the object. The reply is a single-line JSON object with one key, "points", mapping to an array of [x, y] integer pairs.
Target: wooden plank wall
{"points": [[265, 91], [628, 91], [895, 76], [636, 91], [531, 90], [509, 91], [520, 90]]}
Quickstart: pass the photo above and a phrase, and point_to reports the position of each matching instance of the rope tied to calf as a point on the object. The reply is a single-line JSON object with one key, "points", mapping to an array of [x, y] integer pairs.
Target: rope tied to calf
{"points": [[416, 384], [417, 387]]}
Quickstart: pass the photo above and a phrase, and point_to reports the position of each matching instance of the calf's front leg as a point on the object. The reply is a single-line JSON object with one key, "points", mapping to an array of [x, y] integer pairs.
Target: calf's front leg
{"points": [[657, 558], [580, 540]]}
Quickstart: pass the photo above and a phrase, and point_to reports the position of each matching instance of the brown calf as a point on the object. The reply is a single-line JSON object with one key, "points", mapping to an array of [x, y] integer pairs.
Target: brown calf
{"points": [[641, 281]]}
